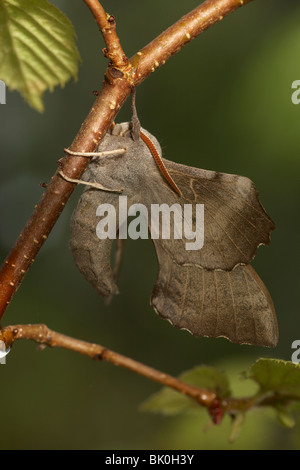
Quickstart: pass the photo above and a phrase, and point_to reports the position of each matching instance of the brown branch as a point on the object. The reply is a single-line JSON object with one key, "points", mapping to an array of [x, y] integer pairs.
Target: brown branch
{"points": [[216, 406], [158, 51], [107, 26], [43, 335], [115, 90]]}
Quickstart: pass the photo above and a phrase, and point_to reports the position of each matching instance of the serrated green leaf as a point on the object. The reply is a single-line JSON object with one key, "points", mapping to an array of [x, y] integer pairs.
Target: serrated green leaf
{"points": [[37, 50], [169, 402], [276, 375]]}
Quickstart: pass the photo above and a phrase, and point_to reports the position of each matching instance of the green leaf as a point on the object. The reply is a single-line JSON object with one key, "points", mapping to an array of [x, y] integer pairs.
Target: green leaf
{"points": [[277, 376], [37, 50], [169, 402]]}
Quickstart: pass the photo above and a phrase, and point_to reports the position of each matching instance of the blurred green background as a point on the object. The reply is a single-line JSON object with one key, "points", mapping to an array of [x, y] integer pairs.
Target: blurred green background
{"points": [[223, 103]]}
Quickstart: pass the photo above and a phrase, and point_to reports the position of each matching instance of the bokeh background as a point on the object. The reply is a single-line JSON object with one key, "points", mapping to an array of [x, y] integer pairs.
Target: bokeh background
{"points": [[222, 103]]}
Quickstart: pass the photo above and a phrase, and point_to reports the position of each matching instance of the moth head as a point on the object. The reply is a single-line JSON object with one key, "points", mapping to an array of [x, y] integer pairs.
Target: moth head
{"points": [[122, 129]]}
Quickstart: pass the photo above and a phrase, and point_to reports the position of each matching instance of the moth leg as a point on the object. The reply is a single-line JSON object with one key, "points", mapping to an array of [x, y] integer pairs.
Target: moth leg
{"points": [[118, 263], [104, 154], [89, 183]]}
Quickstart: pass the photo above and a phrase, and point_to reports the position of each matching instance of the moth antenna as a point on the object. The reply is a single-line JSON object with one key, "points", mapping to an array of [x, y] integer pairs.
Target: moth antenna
{"points": [[135, 123], [159, 162], [137, 134]]}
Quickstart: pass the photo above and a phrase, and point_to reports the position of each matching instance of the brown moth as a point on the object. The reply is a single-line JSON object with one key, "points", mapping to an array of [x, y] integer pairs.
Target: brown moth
{"points": [[209, 292]]}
